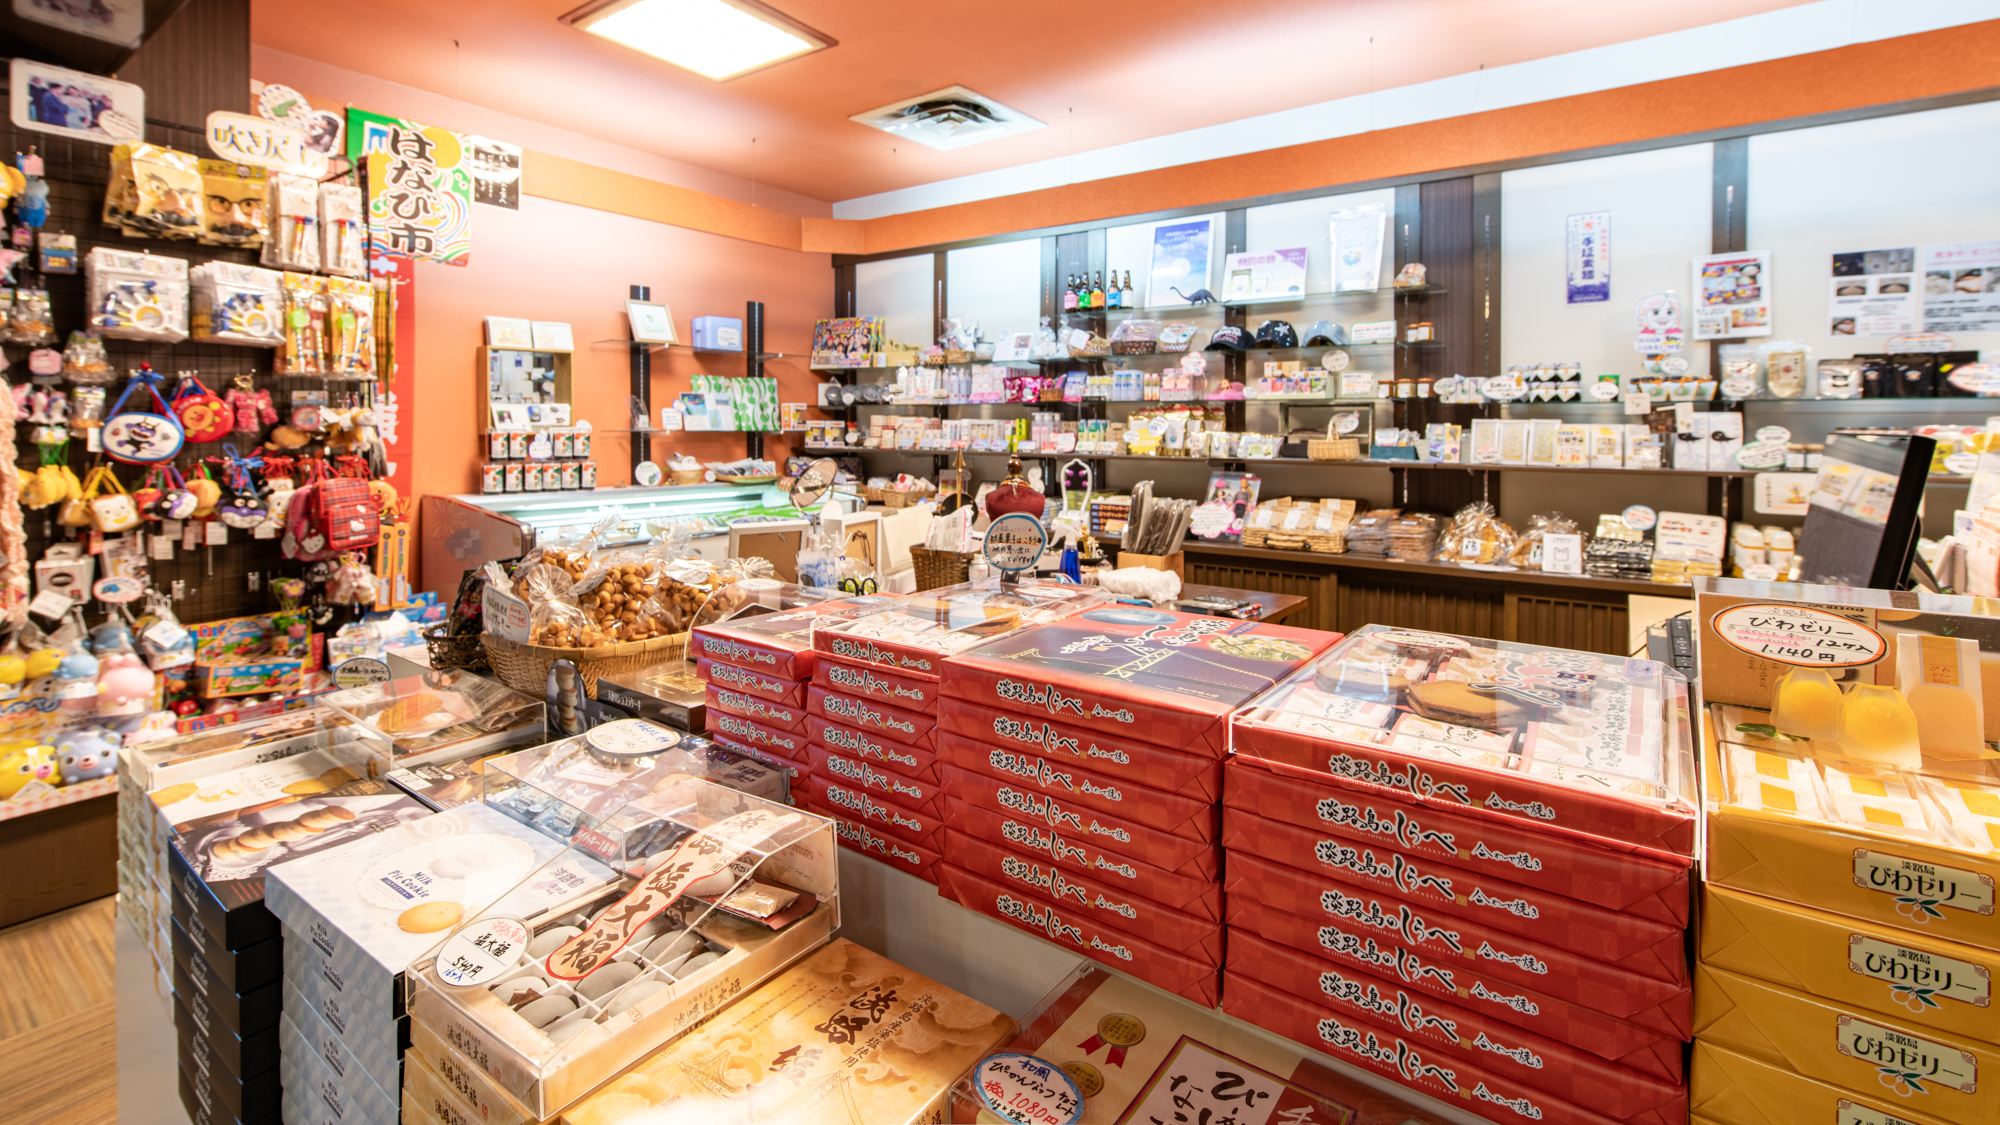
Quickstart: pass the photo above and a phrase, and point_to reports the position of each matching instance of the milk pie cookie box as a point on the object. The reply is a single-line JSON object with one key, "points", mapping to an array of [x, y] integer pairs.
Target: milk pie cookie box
{"points": [[1591, 747], [1108, 1050], [1170, 679], [844, 1035], [913, 636]]}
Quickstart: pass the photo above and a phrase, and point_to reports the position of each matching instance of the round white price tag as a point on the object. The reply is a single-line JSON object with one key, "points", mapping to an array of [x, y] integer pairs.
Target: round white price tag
{"points": [[118, 589], [1976, 378], [1639, 517], [1335, 360], [1761, 572], [1962, 463], [1503, 388], [631, 738], [1761, 455], [1015, 541], [1674, 365], [541, 448], [1346, 422], [1796, 634], [1028, 1090], [1773, 433], [480, 953], [1604, 391], [359, 672]]}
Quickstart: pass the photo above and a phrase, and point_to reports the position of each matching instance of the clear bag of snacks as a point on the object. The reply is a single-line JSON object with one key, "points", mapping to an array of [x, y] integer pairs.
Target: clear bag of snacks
{"points": [[1527, 551], [30, 319], [1476, 537], [137, 296]]}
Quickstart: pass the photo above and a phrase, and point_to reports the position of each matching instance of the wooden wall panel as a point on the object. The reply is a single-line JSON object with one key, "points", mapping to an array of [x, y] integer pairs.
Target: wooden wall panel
{"points": [[1468, 611], [1319, 590], [197, 62], [1565, 622]]}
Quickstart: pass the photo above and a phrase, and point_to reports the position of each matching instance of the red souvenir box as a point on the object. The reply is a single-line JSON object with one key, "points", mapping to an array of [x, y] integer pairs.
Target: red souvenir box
{"points": [[750, 681], [905, 692], [1298, 863], [1572, 742], [1091, 897], [1175, 972], [777, 643], [1195, 893], [1629, 879], [799, 766], [1535, 1060], [1112, 832], [916, 796], [1347, 919], [900, 757], [1191, 775], [1166, 678], [1187, 817], [756, 708], [865, 714], [787, 744], [911, 859], [831, 797], [1411, 1062], [912, 636]]}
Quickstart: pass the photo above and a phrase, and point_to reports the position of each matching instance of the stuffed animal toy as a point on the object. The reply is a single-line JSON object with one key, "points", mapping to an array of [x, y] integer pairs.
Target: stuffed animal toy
{"points": [[86, 754], [112, 636], [349, 431], [25, 761], [287, 437], [123, 679], [207, 494], [385, 497], [44, 661]]}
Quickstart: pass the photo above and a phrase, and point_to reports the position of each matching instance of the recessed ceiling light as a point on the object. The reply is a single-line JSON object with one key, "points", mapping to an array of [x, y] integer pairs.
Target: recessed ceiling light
{"points": [[716, 38], [953, 117]]}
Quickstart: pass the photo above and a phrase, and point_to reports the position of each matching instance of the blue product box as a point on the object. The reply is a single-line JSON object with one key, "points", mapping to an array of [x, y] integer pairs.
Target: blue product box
{"points": [[719, 333]]}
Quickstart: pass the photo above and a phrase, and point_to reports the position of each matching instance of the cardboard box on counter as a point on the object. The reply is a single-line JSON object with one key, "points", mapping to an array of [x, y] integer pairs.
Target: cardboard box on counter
{"points": [[906, 692], [751, 681], [787, 744], [1633, 880], [912, 636], [1191, 775], [1194, 891], [212, 1047], [1073, 931], [918, 763], [777, 644], [1735, 1089], [1189, 817], [453, 1087], [320, 1037], [865, 714], [1158, 848], [855, 773], [215, 969], [317, 1095], [222, 1012]]}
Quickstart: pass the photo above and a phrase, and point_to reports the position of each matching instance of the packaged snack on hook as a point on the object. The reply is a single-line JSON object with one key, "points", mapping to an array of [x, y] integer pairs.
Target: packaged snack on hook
{"points": [[350, 328], [29, 318], [340, 230], [137, 296], [238, 304], [169, 192], [232, 212], [121, 193], [293, 213], [83, 359], [304, 351]]}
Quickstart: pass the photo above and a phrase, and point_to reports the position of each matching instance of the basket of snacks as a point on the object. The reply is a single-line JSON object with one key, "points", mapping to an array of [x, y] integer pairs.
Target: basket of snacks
{"points": [[1136, 337]]}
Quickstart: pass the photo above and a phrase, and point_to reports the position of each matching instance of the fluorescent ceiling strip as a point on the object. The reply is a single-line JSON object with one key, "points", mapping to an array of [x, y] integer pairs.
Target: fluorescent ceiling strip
{"points": [[1785, 33]]}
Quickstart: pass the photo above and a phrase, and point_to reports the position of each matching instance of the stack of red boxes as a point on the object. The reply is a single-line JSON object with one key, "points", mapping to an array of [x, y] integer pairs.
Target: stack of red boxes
{"points": [[871, 710], [1081, 766], [1466, 865]]}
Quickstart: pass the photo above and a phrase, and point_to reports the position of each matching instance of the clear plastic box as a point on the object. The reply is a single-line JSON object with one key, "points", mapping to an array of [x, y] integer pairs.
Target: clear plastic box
{"points": [[580, 971], [584, 790], [438, 717]]}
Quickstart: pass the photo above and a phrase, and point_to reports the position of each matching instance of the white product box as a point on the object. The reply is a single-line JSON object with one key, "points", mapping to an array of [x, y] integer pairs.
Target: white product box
{"points": [[315, 1095], [319, 1036], [1725, 438], [358, 915], [1690, 445], [1607, 447]]}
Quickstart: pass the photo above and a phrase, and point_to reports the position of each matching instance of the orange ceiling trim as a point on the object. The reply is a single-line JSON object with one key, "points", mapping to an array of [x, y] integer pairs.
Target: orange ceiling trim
{"points": [[588, 185], [1845, 78]]}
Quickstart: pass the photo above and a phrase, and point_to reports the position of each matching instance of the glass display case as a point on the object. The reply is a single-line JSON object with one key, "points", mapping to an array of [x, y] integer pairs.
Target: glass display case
{"points": [[437, 717]]}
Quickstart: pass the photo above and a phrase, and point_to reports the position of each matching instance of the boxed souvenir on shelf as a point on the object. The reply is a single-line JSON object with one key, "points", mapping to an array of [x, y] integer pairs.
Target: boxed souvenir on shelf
{"points": [[1588, 747], [438, 717], [828, 1032], [771, 632], [1166, 678], [1850, 757], [581, 970], [912, 636], [1102, 1049], [582, 789]]}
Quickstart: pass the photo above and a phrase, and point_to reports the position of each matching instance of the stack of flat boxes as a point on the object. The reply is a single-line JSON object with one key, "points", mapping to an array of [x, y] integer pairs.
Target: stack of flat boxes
{"points": [[756, 670], [1082, 766], [874, 760], [1473, 911]]}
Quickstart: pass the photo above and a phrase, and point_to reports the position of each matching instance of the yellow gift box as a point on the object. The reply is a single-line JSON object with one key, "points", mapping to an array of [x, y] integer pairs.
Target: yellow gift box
{"points": [[1734, 1089], [1863, 1052], [1917, 980]]}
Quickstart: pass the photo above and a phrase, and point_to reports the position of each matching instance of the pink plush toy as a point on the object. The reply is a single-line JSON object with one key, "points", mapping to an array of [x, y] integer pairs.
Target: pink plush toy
{"points": [[123, 678], [253, 410]]}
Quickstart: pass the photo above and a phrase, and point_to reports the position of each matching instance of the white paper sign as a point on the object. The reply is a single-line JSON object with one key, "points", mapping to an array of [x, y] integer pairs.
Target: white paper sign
{"points": [[1962, 287], [1562, 554], [1732, 295], [1873, 293], [243, 139]]}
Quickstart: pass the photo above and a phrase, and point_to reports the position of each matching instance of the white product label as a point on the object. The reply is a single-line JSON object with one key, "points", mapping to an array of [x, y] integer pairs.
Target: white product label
{"points": [[1029, 1090], [1918, 980], [1348, 422], [1962, 463], [1639, 517], [1801, 635], [1773, 433], [1923, 891], [1562, 554], [51, 603], [482, 951], [1847, 1113], [1907, 1064], [1761, 454], [632, 737], [359, 672]]}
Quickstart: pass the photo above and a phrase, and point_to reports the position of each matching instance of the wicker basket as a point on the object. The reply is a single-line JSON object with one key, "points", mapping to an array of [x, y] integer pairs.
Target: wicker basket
{"points": [[1285, 541], [935, 569], [871, 494], [903, 498], [525, 668], [1333, 449], [462, 651], [687, 476], [1134, 347]]}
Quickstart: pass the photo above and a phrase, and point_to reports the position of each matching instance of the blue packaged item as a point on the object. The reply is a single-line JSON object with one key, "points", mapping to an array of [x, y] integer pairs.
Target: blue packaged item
{"points": [[719, 333]]}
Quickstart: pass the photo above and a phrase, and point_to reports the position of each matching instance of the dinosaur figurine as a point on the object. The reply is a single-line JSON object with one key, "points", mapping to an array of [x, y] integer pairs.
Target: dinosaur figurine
{"points": [[1199, 297]]}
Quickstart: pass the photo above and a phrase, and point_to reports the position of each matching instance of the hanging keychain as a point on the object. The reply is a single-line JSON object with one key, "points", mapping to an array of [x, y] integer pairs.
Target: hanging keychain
{"points": [[244, 509], [140, 437]]}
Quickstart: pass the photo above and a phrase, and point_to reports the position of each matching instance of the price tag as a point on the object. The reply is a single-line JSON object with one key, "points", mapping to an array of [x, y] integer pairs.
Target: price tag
{"points": [[1346, 422], [671, 419], [1962, 463], [627, 739], [1032, 1091], [1562, 554], [1604, 391], [1357, 384], [1637, 401], [1774, 433], [1294, 518], [481, 952], [1639, 517], [51, 603], [1761, 455], [161, 547], [359, 672], [166, 634], [1799, 635], [218, 533]]}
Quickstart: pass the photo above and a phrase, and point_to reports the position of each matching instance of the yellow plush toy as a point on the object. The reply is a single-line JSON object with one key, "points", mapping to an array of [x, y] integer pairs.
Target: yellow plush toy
{"points": [[23, 761]]}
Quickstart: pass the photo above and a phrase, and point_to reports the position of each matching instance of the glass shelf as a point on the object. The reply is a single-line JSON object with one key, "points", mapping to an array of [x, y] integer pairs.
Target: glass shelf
{"points": [[737, 352], [1260, 302]]}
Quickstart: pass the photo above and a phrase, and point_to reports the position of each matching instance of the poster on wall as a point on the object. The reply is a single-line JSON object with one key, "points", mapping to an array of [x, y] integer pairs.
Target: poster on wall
{"points": [[418, 181], [1732, 295], [1261, 274], [1873, 293], [1587, 257], [1180, 260], [1962, 287], [496, 173], [1358, 235], [70, 103]]}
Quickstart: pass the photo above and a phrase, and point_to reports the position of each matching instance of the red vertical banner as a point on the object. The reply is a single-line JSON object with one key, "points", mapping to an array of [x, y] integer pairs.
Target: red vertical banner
{"points": [[395, 397]]}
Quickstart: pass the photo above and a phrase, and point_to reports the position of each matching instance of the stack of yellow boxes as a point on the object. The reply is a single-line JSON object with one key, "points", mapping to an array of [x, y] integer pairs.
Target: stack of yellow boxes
{"points": [[1848, 936]]}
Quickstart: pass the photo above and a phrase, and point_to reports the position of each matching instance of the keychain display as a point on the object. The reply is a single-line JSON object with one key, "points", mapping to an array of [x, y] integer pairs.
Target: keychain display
{"points": [[207, 494], [251, 407], [112, 510], [232, 212], [350, 328], [293, 212], [203, 416], [351, 583], [237, 304], [137, 296], [177, 502], [29, 318], [84, 360], [340, 230], [33, 204], [243, 508], [304, 350], [140, 436]]}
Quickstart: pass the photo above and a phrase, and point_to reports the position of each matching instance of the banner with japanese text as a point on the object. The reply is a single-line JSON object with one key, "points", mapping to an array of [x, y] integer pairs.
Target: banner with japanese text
{"points": [[419, 187]]}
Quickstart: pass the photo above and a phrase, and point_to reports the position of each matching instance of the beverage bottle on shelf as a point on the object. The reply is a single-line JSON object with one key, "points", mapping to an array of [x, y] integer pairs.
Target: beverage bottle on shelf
{"points": [[1069, 294], [1112, 296], [1097, 292], [1130, 301]]}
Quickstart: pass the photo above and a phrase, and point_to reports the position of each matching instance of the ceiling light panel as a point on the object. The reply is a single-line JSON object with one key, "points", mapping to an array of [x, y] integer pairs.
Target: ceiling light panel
{"points": [[948, 119], [718, 39]]}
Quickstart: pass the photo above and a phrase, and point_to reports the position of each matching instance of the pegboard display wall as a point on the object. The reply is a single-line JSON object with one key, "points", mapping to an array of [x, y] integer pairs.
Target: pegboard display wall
{"points": [[213, 582]]}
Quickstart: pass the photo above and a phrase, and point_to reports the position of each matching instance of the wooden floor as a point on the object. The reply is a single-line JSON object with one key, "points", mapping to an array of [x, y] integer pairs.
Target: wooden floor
{"points": [[58, 1017]]}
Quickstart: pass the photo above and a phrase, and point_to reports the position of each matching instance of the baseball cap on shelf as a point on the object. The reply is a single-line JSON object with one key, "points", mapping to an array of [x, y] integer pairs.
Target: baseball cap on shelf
{"points": [[1229, 339], [1325, 332], [1277, 334]]}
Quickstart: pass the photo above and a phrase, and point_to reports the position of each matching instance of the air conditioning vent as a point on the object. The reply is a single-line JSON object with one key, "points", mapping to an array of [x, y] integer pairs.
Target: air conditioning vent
{"points": [[948, 119]]}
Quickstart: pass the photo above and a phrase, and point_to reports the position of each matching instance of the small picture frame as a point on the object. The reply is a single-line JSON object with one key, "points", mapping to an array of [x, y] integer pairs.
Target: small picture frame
{"points": [[69, 103], [652, 322], [510, 332], [553, 336]]}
